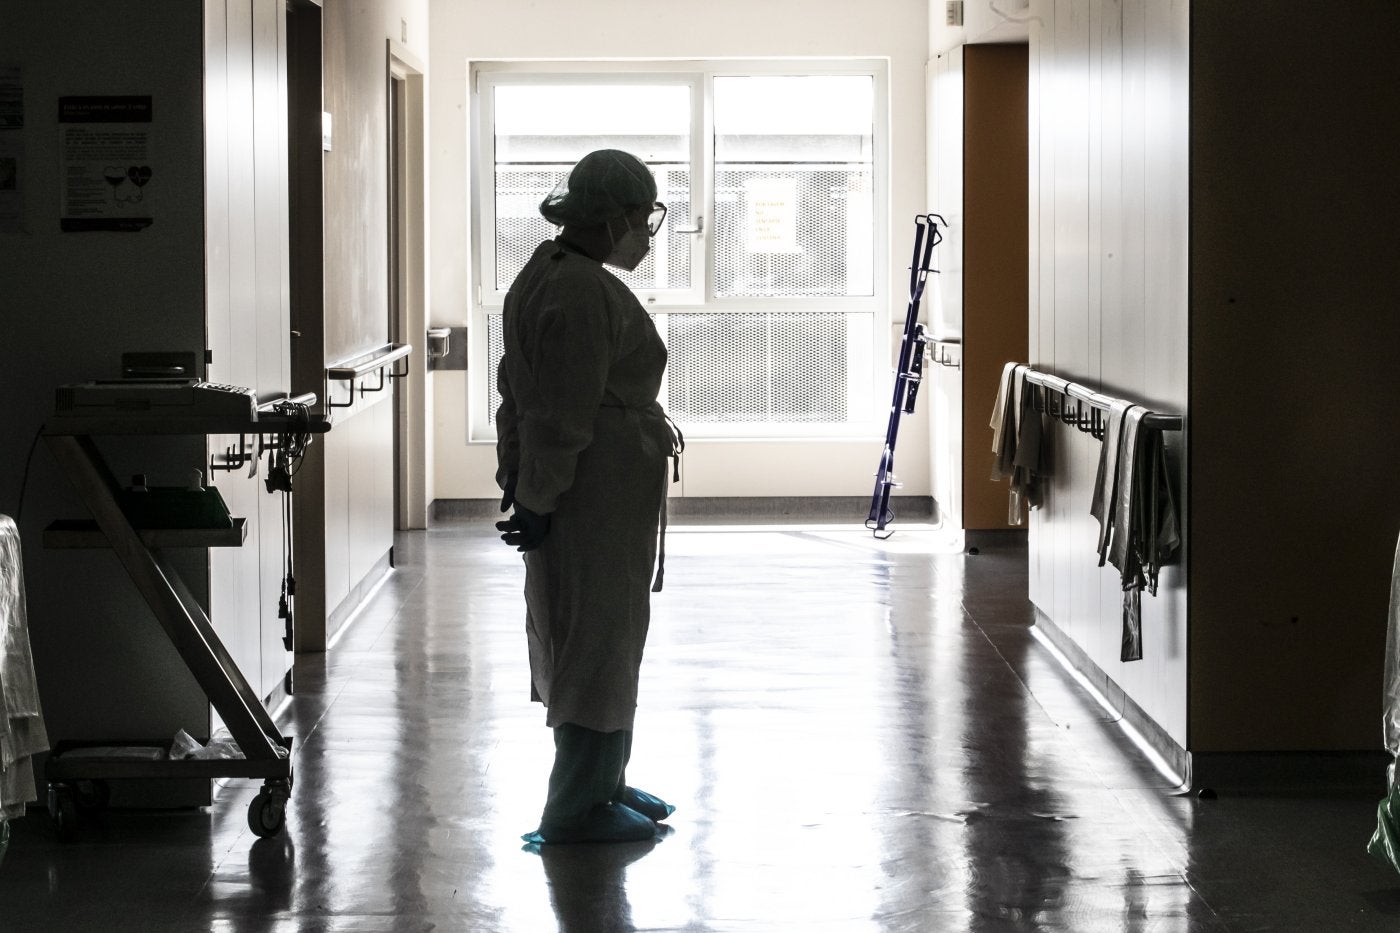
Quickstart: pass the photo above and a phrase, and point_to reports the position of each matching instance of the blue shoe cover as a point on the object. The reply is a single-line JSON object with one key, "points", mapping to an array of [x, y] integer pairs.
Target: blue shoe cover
{"points": [[649, 806], [607, 822]]}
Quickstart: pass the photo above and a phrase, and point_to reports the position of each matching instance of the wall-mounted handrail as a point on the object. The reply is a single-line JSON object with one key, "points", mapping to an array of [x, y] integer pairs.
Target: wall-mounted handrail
{"points": [[1134, 497], [366, 363], [375, 361], [946, 351], [1099, 405]]}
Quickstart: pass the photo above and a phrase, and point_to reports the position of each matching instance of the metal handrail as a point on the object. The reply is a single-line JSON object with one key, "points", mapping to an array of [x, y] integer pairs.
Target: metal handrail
{"points": [[1098, 404], [377, 360], [366, 363]]}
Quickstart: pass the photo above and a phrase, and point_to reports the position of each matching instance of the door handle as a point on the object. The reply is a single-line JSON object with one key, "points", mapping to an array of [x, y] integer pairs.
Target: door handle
{"points": [[698, 228]]}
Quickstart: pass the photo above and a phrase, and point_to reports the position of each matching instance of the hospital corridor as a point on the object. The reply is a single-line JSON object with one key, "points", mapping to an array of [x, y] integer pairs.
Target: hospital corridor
{"points": [[858, 736], [709, 466]]}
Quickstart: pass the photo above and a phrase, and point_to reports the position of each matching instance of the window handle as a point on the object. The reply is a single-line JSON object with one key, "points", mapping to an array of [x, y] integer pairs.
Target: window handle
{"points": [[698, 228]]}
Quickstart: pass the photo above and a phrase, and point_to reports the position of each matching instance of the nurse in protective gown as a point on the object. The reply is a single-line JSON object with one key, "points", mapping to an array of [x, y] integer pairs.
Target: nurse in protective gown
{"points": [[583, 460]]}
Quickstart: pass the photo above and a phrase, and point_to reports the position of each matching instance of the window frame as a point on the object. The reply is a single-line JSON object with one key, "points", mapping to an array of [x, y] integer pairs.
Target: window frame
{"points": [[700, 298]]}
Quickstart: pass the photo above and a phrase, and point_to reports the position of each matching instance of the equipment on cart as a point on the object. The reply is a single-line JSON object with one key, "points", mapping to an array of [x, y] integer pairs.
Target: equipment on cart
{"points": [[154, 398], [910, 371]]}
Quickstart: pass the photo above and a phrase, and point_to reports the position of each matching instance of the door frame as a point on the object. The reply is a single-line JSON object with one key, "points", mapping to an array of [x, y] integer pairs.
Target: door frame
{"points": [[306, 295], [405, 78]]}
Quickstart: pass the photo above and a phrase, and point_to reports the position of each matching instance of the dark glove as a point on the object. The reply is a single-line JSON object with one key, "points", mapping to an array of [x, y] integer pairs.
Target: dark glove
{"points": [[524, 529], [508, 498]]}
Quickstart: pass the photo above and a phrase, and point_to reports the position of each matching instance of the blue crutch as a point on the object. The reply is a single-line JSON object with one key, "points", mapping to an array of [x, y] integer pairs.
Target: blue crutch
{"points": [[910, 372]]}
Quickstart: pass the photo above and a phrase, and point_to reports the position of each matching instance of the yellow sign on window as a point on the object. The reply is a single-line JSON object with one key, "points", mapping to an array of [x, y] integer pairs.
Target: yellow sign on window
{"points": [[771, 215]]}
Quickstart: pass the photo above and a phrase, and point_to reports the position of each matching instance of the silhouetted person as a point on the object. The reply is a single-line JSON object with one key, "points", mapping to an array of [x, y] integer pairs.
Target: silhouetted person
{"points": [[582, 451]]}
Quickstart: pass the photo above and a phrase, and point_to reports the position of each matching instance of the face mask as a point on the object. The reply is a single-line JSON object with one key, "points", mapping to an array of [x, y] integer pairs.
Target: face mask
{"points": [[629, 251]]}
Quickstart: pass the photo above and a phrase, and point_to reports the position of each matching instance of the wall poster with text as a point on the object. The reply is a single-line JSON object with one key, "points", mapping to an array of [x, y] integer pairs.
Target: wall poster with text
{"points": [[106, 178]]}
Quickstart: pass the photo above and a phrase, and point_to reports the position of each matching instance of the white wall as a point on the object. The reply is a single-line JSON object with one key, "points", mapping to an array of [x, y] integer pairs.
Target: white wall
{"points": [[503, 29], [245, 273], [356, 458], [407, 21], [210, 272], [1109, 86], [983, 21], [70, 303]]}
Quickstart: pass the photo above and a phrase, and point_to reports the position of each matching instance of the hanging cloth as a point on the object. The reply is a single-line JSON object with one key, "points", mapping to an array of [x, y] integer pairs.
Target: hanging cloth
{"points": [[1145, 529], [22, 733], [1029, 461], [1003, 422], [1160, 534], [1106, 481]]}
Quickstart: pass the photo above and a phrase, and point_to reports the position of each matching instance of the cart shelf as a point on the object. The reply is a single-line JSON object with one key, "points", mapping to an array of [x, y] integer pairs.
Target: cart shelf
{"points": [[84, 533]]}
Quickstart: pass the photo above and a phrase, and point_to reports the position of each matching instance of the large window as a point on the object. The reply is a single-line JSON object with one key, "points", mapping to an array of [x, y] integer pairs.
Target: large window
{"points": [[763, 279]]}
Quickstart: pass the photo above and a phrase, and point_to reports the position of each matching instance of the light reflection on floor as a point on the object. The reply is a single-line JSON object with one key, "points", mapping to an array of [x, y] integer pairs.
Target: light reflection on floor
{"points": [[860, 735]]}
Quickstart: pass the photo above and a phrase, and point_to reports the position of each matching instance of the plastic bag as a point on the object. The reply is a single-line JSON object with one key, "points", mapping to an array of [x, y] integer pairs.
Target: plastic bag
{"points": [[1385, 842], [1392, 663], [222, 746]]}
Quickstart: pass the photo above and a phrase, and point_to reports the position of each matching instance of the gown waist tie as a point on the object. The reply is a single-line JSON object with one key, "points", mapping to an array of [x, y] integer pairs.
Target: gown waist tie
{"points": [[674, 446]]}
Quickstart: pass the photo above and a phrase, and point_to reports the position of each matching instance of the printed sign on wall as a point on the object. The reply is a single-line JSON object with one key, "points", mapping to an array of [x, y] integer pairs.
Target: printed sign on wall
{"points": [[106, 174], [11, 148]]}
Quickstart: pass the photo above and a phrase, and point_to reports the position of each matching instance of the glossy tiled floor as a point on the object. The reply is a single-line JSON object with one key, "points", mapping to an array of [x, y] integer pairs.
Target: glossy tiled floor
{"points": [[859, 737]]}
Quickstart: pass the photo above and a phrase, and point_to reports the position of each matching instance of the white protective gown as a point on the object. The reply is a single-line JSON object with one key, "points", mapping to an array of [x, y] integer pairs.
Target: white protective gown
{"points": [[581, 429]]}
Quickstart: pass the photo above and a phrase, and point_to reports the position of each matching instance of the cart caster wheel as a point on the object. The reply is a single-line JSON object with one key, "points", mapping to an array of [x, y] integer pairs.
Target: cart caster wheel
{"points": [[267, 814], [92, 796], [63, 810]]}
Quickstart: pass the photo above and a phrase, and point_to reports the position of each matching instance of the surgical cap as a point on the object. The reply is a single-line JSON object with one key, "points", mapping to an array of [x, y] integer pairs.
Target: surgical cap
{"points": [[603, 185]]}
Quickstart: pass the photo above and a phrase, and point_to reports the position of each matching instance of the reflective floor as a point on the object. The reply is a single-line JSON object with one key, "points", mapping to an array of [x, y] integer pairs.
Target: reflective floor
{"points": [[861, 737]]}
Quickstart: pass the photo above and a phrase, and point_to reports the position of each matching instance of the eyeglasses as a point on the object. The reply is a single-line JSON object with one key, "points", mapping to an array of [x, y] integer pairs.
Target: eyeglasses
{"points": [[656, 218]]}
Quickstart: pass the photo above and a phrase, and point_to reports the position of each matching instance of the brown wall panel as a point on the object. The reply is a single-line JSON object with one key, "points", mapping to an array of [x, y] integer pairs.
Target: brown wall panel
{"points": [[1294, 332], [995, 269]]}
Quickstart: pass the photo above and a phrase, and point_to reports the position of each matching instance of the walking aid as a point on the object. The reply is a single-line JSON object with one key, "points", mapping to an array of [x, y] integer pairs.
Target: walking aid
{"points": [[910, 372]]}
